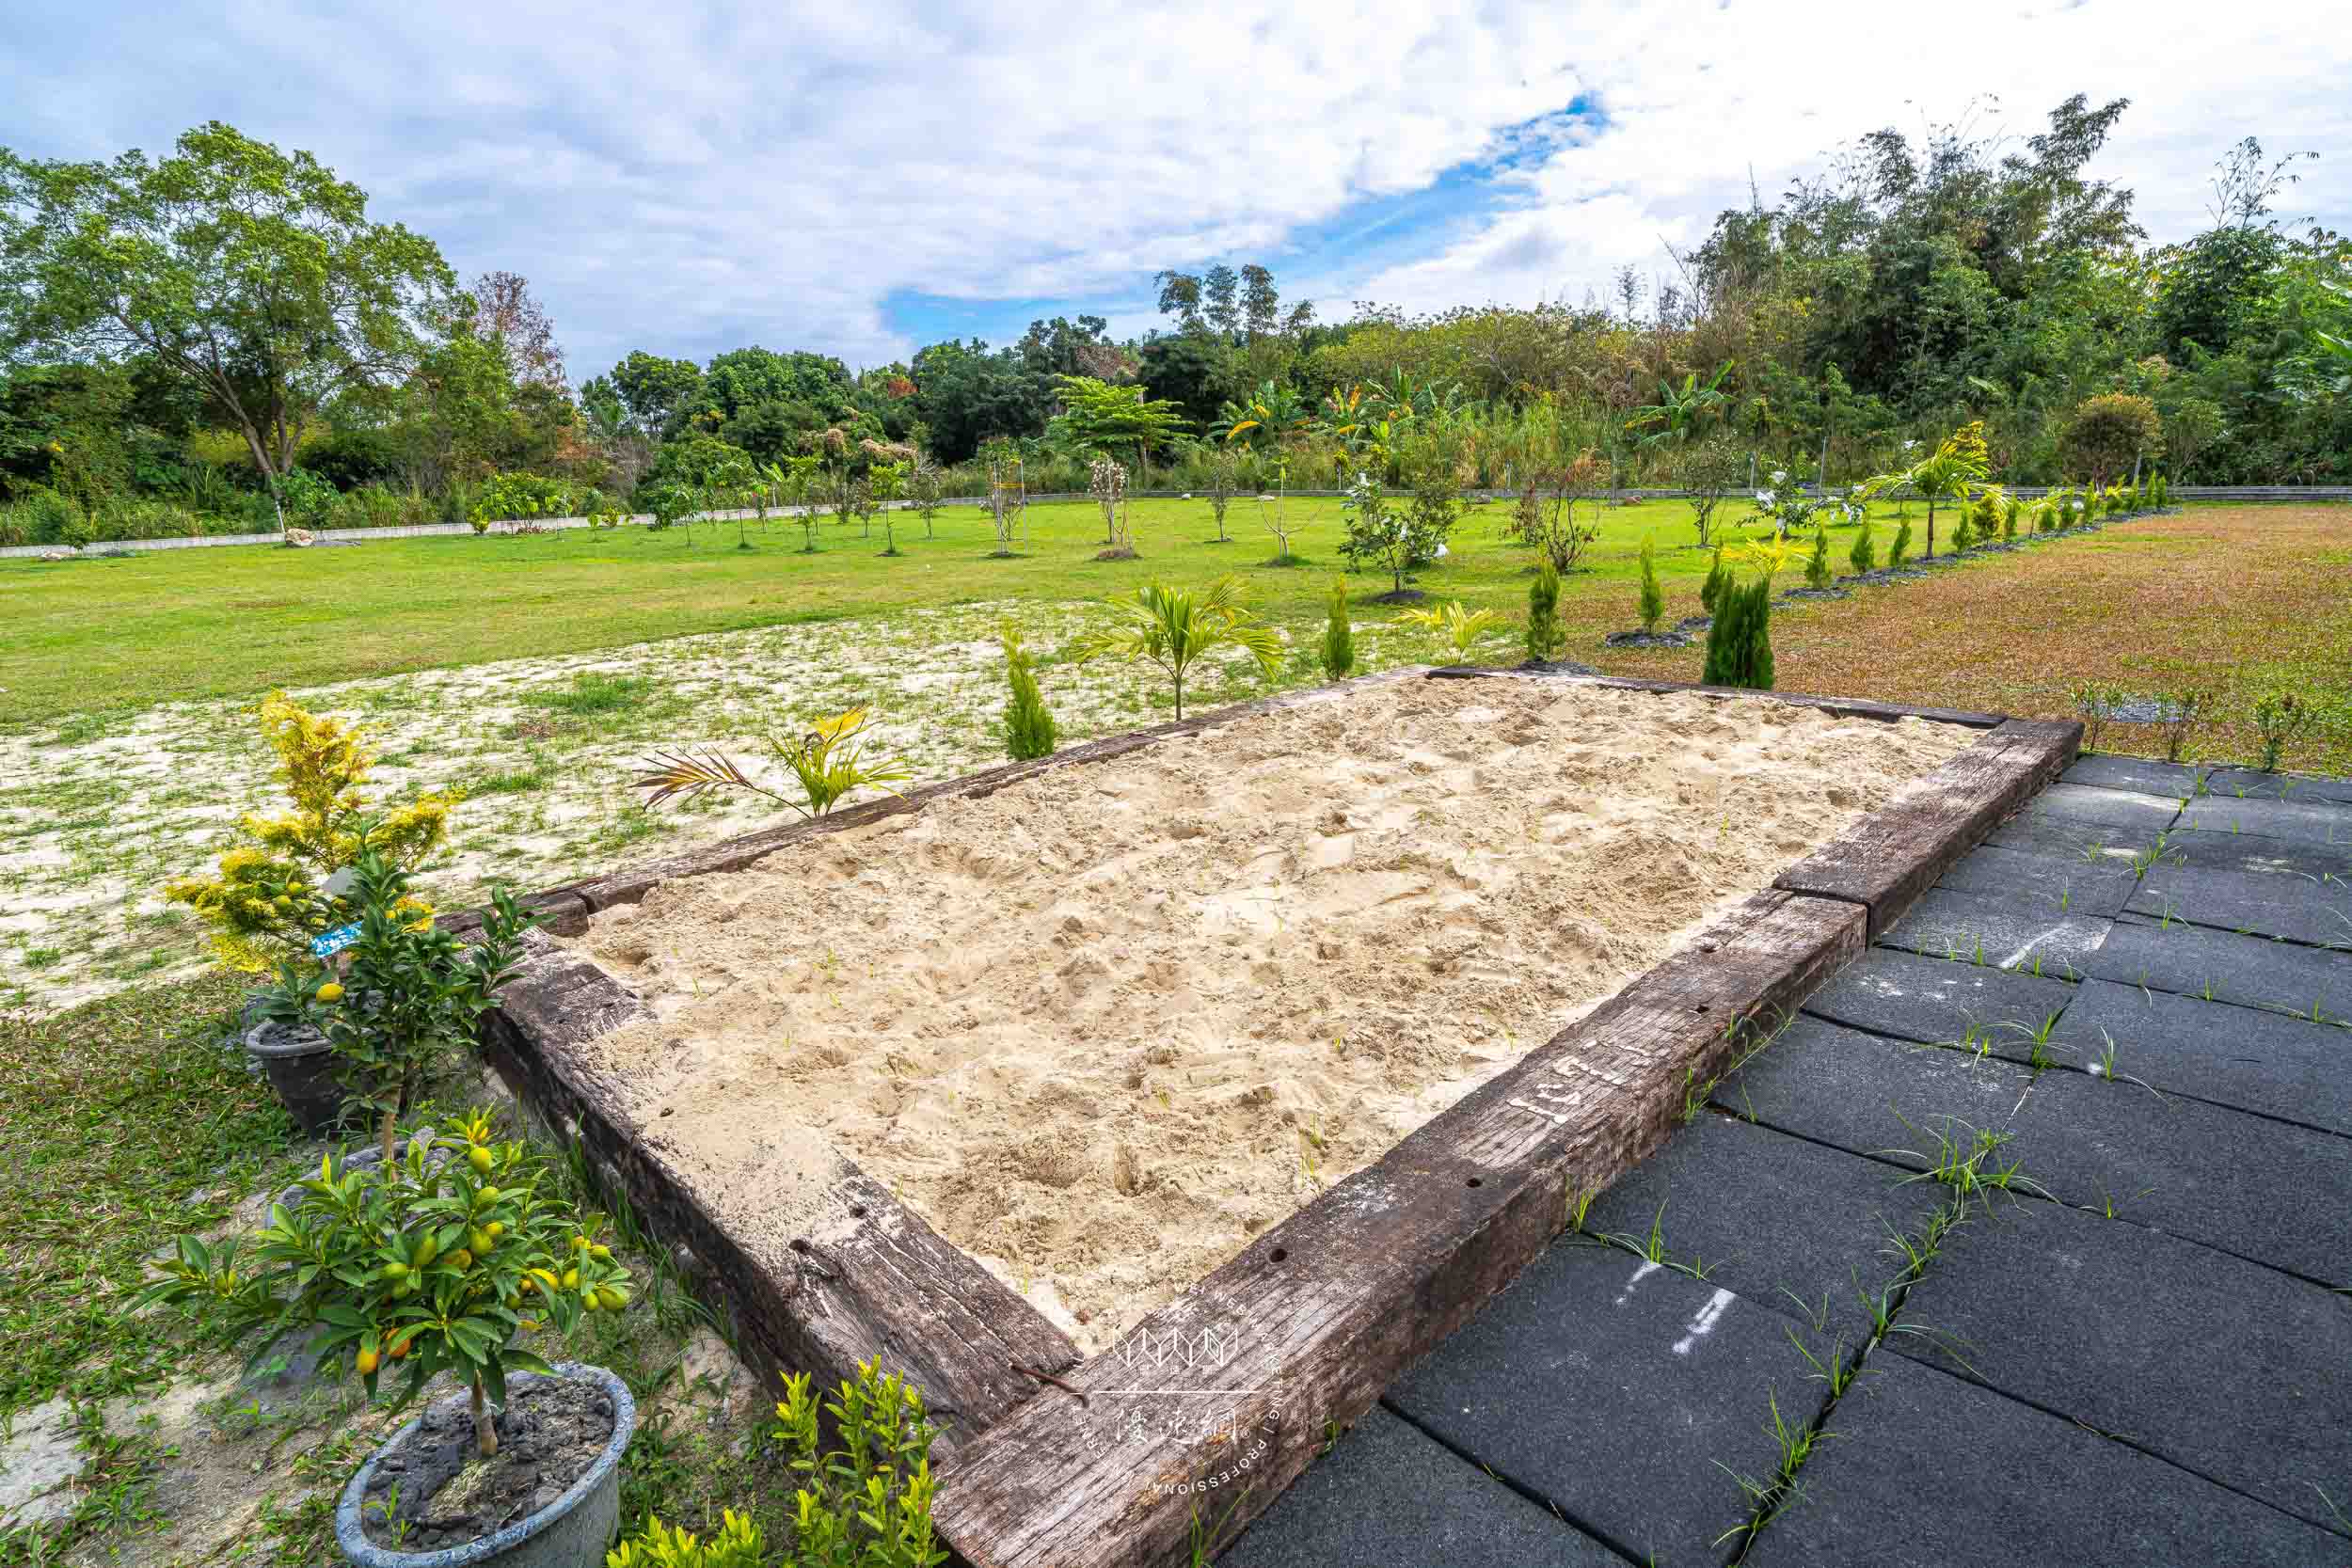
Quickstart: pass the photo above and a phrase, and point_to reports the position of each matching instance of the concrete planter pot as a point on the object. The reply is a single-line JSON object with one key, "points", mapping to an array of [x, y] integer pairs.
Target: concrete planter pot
{"points": [[300, 1066], [573, 1531]]}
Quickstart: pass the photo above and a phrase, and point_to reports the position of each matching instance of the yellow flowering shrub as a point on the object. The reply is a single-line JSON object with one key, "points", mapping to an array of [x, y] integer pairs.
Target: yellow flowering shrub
{"points": [[254, 898]]}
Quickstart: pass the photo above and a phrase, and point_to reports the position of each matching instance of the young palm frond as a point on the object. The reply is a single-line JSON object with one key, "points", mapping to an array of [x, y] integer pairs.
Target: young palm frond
{"points": [[1460, 629], [829, 763], [1175, 629]]}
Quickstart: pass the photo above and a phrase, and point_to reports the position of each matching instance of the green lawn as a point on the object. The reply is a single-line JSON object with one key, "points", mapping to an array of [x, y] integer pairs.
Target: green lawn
{"points": [[84, 636]]}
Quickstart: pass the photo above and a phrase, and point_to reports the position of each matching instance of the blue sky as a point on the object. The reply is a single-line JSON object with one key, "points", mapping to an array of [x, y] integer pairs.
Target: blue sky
{"points": [[864, 181]]}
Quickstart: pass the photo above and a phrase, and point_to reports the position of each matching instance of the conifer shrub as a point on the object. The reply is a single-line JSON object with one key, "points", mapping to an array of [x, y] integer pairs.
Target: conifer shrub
{"points": [[1653, 603], [1338, 651], [1546, 637], [1817, 572], [1030, 732], [1739, 642], [1901, 547], [1864, 557], [1711, 591]]}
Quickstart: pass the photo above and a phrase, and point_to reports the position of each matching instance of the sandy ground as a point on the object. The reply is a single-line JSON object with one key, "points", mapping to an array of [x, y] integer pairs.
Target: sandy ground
{"points": [[1104, 1026], [97, 814]]}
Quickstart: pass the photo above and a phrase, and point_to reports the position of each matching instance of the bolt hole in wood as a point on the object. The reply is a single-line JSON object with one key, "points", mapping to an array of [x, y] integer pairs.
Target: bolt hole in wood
{"points": [[1280, 1253], [1477, 1182], [1701, 1007], [799, 1245], [857, 1211]]}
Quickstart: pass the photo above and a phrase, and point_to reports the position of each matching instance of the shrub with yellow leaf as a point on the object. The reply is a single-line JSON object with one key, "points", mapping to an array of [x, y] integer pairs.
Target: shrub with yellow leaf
{"points": [[261, 900]]}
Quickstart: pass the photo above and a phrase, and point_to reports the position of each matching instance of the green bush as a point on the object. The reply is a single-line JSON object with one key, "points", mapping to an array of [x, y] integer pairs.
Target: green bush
{"points": [[42, 516], [1816, 569], [1864, 557], [1901, 547], [502, 497], [1030, 732], [1965, 530], [1739, 642], [1711, 591], [1653, 605], [1338, 653], [868, 1503], [738, 1544]]}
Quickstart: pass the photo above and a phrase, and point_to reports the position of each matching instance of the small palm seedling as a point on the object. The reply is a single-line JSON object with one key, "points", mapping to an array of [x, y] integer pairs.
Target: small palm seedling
{"points": [[1175, 629], [1337, 653], [430, 1262], [829, 763], [1029, 730], [1459, 629]]}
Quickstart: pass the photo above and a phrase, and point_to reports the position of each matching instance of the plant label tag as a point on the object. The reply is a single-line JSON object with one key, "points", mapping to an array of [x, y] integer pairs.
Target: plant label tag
{"points": [[326, 944]]}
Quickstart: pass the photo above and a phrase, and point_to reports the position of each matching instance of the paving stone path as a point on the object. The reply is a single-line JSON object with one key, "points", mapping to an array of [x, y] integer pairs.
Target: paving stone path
{"points": [[2029, 1241]]}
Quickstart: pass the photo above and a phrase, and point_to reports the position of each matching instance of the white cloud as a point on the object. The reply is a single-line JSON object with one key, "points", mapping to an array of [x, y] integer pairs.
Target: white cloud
{"points": [[687, 182]]}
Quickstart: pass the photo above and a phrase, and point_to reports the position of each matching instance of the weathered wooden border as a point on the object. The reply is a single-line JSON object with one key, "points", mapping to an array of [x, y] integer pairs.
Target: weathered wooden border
{"points": [[1106, 1460]]}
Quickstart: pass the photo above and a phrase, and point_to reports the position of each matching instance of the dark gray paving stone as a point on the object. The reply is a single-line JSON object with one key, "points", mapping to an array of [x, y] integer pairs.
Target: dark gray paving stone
{"points": [[2051, 884], [2125, 810], [1857, 1091], [2230, 1369], [2233, 782], [1390, 1497], [2279, 1194], [1615, 1389], [2140, 775], [2004, 932], [2221, 966], [2248, 1057], [2092, 844], [2242, 1183], [1785, 1223], [2312, 821], [1919, 998], [2012, 1487], [2212, 852], [2271, 903]]}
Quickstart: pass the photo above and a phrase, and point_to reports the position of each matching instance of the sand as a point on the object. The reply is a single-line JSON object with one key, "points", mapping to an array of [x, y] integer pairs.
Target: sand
{"points": [[1105, 1025]]}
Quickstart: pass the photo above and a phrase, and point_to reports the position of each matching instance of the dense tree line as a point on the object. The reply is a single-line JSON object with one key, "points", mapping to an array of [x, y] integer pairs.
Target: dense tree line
{"points": [[222, 335]]}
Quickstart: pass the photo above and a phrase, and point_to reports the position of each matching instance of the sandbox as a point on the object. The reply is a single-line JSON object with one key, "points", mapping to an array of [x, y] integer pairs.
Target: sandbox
{"points": [[1154, 1105], [1103, 1026]]}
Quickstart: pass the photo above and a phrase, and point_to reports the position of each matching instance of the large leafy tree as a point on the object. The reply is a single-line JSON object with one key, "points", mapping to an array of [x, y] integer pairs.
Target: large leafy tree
{"points": [[254, 274]]}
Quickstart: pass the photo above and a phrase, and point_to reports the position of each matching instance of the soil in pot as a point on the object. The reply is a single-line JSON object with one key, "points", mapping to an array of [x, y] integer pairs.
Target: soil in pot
{"points": [[551, 1432]]}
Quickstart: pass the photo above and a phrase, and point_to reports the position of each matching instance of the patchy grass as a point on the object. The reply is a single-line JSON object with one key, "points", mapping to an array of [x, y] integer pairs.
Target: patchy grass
{"points": [[99, 807], [128, 1123], [133, 1119]]}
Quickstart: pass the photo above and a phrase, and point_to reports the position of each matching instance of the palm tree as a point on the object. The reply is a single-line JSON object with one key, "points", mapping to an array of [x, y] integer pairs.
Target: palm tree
{"points": [[1958, 469], [1174, 629]]}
